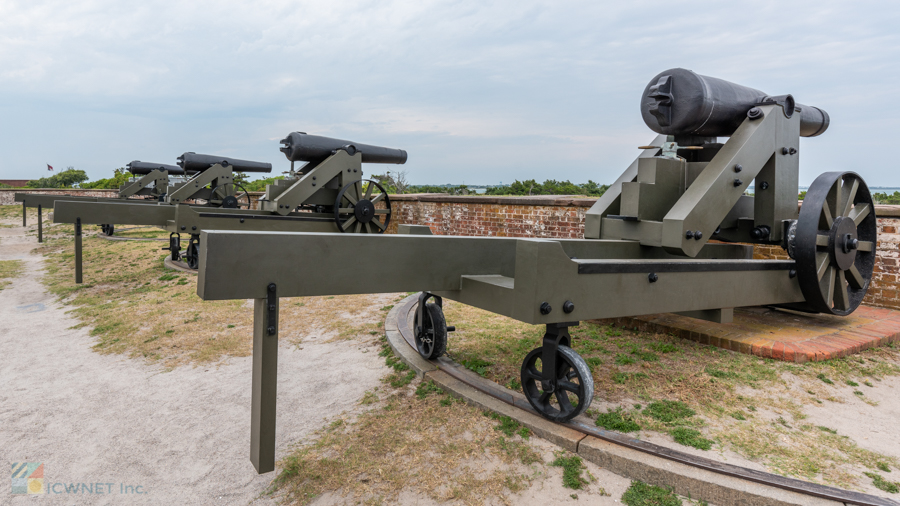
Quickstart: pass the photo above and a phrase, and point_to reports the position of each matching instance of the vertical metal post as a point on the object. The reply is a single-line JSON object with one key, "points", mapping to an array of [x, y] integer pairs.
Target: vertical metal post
{"points": [[40, 224], [24, 215], [77, 250], [265, 375]]}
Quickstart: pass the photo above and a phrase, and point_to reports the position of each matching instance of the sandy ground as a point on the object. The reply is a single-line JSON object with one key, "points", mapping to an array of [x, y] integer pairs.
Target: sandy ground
{"points": [[182, 436]]}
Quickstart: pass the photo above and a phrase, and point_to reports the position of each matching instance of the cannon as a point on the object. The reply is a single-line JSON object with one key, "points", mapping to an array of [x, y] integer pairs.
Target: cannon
{"points": [[191, 161], [302, 147], [325, 195], [674, 233], [140, 168]]}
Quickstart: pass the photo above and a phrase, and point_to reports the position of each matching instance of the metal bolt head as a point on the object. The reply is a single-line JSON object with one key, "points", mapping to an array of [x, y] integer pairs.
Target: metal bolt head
{"points": [[271, 287], [568, 306], [271, 329], [689, 234], [194, 227], [546, 308], [698, 235], [785, 151], [738, 182], [792, 273], [738, 167], [792, 151], [764, 186], [653, 277], [755, 113]]}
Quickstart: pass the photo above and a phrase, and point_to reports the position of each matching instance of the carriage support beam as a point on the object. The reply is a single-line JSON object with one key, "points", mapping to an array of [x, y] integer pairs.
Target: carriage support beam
{"points": [[78, 250], [265, 375], [40, 224]]}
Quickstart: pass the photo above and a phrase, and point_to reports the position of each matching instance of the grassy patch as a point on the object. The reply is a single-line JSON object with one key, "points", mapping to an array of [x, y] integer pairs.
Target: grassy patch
{"points": [[428, 449], [508, 426], [137, 307], [9, 269], [881, 484], [642, 494], [734, 396], [618, 420], [573, 471], [690, 437], [824, 379], [669, 412]]}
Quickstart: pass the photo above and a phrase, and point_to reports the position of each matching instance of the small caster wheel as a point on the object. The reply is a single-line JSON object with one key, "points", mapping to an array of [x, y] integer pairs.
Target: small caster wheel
{"points": [[567, 396], [431, 335], [108, 229], [192, 253]]}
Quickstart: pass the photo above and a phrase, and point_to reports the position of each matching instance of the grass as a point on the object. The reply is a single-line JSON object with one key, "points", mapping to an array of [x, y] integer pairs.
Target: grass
{"points": [[881, 484], [690, 437], [642, 494], [408, 442], [617, 420], [734, 397], [573, 471], [134, 306], [9, 269]]}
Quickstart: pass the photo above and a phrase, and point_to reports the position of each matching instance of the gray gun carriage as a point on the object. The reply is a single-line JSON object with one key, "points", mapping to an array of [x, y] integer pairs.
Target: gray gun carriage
{"points": [[326, 194], [674, 233]]}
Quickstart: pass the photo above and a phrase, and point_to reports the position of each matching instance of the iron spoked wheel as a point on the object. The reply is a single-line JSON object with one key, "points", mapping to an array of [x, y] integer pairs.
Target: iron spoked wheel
{"points": [[834, 244], [229, 196], [568, 395], [192, 253], [354, 210], [108, 229], [431, 337]]}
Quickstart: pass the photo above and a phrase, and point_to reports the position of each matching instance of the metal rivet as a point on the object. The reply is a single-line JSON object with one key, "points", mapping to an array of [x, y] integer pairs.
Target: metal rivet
{"points": [[738, 182], [653, 277], [785, 151], [764, 185], [314, 178], [738, 168], [271, 329], [792, 273], [793, 151], [242, 220], [546, 308], [314, 184], [689, 235], [194, 228], [568, 306], [183, 227], [271, 287]]}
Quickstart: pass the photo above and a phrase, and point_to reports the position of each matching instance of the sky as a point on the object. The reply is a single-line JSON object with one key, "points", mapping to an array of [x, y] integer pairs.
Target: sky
{"points": [[476, 92]]}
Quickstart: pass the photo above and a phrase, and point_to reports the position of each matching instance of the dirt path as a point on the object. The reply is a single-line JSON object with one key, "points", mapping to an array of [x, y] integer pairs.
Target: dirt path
{"points": [[182, 436]]}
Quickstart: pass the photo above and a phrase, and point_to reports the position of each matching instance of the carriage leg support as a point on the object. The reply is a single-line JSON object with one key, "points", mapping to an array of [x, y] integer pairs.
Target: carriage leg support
{"points": [[265, 376], [78, 250], [40, 224], [557, 334], [24, 215]]}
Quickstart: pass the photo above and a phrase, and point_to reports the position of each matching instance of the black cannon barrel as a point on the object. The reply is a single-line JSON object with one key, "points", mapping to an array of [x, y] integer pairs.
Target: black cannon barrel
{"points": [[302, 147], [140, 168], [194, 162], [682, 102]]}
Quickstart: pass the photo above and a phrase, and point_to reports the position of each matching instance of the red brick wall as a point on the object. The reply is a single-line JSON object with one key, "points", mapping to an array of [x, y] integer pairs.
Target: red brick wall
{"points": [[563, 217]]}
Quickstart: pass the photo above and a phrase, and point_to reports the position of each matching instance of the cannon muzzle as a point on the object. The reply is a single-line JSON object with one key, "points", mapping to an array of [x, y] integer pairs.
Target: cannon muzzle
{"points": [[302, 147], [682, 102], [192, 162], [140, 168]]}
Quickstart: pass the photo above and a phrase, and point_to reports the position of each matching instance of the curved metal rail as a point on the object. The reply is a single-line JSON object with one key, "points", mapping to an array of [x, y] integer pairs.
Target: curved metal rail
{"points": [[774, 480]]}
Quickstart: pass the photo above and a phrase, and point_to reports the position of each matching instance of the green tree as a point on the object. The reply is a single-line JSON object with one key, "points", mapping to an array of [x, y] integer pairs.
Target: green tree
{"points": [[120, 177], [65, 179]]}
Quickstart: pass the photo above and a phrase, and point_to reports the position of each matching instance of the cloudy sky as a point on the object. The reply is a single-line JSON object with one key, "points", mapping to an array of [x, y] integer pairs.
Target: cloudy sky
{"points": [[476, 92]]}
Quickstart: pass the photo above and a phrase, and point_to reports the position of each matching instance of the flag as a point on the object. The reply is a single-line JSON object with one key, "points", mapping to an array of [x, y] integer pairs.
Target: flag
{"points": [[49, 167]]}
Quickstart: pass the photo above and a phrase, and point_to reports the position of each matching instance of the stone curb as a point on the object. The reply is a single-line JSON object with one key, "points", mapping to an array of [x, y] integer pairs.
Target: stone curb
{"points": [[683, 479], [178, 266]]}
